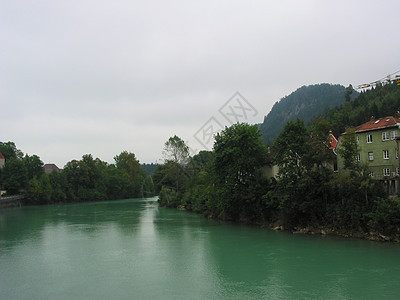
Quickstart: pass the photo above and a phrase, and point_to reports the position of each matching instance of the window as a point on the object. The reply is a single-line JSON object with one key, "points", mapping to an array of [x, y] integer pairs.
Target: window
{"points": [[385, 154], [385, 136], [371, 155], [369, 138], [358, 158], [397, 171], [397, 153], [393, 134], [386, 172], [358, 139]]}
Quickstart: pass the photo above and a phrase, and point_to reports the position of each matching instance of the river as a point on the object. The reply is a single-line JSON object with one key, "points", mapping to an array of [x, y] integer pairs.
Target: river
{"points": [[134, 249]]}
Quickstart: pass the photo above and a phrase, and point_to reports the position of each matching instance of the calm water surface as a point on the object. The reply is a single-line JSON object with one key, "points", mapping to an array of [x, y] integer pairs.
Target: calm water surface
{"points": [[133, 249]]}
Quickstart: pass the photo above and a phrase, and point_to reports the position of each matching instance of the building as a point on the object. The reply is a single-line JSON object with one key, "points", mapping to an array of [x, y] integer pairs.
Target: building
{"points": [[378, 150], [48, 168]]}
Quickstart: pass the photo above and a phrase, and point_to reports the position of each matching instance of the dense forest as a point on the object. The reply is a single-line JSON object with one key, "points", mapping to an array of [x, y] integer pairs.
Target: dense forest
{"points": [[379, 102], [87, 179], [230, 181], [304, 103]]}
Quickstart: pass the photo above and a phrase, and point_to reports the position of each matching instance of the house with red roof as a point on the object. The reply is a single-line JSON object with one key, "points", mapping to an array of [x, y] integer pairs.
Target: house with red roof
{"points": [[377, 141]]}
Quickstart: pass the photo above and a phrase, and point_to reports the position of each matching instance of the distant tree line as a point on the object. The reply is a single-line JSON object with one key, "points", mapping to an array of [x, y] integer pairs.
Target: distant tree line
{"points": [[87, 179], [230, 181]]}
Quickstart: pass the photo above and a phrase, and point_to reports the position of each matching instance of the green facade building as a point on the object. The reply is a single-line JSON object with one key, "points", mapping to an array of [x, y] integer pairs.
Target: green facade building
{"points": [[378, 150]]}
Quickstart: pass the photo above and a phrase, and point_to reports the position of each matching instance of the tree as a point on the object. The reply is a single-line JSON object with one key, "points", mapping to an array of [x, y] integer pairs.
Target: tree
{"points": [[39, 190], [34, 166], [348, 150], [86, 179], [239, 156], [319, 152], [15, 178], [176, 154], [129, 166], [290, 149], [302, 191], [349, 91], [9, 150], [176, 150]]}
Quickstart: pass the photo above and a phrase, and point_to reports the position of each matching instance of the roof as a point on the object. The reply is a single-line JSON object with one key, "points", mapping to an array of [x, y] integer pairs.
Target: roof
{"points": [[1, 156], [48, 168], [376, 124]]}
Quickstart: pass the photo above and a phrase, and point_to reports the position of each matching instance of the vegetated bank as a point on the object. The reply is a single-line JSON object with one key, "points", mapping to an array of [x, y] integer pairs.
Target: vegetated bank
{"points": [[232, 183], [82, 180]]}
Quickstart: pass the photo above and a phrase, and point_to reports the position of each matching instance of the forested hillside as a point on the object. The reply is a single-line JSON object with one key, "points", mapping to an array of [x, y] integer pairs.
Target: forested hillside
{"points": [[305, 103], [380, 101]]}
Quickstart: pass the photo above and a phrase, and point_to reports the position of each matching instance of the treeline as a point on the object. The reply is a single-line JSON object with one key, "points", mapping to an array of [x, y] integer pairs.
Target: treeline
{"points": [[379, 102], [87, 179], [231, 182]]}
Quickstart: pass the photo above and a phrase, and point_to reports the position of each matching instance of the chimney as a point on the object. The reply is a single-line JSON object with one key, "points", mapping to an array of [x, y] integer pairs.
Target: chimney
{"points": [[372, 118]]}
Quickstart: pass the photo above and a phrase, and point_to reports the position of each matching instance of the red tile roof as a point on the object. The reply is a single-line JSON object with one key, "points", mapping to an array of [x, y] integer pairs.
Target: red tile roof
{"points": [[376, 124], [1, 156]]}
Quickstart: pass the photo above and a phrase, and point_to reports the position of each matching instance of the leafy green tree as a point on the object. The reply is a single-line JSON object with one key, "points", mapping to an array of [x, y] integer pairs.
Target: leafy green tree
{"points": [[202, 160], [34, 166], [163, 177], [39, 190], [302, 191], [176, 150], [10, 150], [58, 185], [86, 179], [239, 157], [319, 153], [290, 149], [348, 150], [15, 176], [129, 166], [349, 91], [176, 154]]}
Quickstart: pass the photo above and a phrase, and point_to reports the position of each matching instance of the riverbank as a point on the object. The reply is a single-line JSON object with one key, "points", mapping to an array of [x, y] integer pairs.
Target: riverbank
{"points": [[329, 231], [11, 201], [371, 235]]}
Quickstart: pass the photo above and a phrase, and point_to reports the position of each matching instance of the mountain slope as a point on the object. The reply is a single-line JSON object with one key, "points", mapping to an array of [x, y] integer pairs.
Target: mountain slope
{"points": [[305, 103]]}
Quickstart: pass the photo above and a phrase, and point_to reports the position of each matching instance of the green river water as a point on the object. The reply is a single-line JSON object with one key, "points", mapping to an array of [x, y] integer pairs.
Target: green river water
{"points": [[134, 249]]}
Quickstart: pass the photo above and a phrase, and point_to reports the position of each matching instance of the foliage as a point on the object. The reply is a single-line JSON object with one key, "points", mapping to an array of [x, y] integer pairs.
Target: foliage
{"points": [[129, 166], [379, 102], [10, 150], [39, 190], [290, 149], [15, 178], [305, 103], [348, 149], [149, 168], [176, 150], [236, 169], [34, 166], [87, 179]]}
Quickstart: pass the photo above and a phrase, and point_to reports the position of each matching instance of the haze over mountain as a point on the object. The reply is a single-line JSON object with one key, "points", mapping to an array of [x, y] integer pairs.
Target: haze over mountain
{"points": [[304, 103]]}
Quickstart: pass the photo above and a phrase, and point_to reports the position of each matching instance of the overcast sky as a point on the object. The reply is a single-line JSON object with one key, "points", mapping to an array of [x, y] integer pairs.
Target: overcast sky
{"points": [[101, 77]]}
